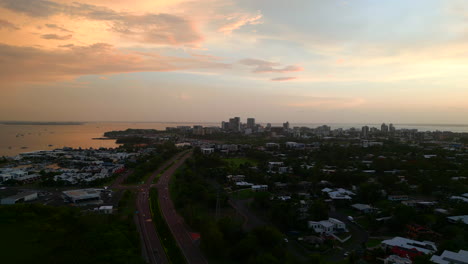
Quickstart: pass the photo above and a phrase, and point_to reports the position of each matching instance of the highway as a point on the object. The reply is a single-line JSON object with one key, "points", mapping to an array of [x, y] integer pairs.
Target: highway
{"points": [[175, 222], [153, 251]]}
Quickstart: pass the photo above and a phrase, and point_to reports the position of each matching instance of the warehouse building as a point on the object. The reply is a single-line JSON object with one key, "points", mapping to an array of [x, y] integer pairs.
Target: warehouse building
{"points": [[82, 195], [20, 197]]}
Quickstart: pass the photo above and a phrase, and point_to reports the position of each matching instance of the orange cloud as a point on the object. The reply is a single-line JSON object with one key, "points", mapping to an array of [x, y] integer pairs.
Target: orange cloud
{"points": [[56, 27], [283, 79], [30, 65], [147, 28], [56, 37], [7, 25]]}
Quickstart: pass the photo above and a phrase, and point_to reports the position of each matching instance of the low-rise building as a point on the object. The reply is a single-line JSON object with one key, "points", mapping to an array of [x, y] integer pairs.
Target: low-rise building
{"points": [[20, 197], [409, 248], [83, 195], [458, 219], [207, 151], [363, 208], [449, 257], [259, 188], [105, 209], [330, 226]]}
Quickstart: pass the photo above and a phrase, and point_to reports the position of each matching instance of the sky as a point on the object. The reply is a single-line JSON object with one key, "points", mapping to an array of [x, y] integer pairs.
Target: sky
{"points": [[305, 61]]}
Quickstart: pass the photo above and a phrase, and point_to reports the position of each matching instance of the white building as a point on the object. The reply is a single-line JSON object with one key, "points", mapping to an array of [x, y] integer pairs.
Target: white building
{"points": [[458, 219], [259, 188], [338, 194], [106, 209], [449, 257], [425, 247], [243, 184], [328, 227], [207, 151], [363, 208]]}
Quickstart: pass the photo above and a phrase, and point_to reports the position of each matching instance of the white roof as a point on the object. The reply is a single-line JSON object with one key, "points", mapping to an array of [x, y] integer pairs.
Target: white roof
{"points": [[326, 223], [448, 257], [361, 206], [425, 247], [335, 221], [459, 198], [463, 218]]}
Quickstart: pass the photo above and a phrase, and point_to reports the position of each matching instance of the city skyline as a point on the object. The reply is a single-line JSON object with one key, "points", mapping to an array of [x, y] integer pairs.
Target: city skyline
{"points": [[201, 61]]}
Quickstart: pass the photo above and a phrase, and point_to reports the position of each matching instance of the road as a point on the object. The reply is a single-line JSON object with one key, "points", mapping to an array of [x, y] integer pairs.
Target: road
{"points": [[153, 250], [359, 236], [175, 222]]}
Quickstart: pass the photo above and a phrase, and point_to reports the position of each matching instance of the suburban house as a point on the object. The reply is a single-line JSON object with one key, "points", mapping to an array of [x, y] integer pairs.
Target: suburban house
{"points": [[409, 248], [330, 226], [363, 208]]}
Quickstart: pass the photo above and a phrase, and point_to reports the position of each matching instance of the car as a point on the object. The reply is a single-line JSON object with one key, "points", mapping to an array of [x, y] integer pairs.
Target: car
{"points": [[346, 254], [350, 218]]}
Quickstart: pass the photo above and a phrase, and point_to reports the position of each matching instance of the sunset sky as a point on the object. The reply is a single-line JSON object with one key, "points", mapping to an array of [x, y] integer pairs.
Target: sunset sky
{"points": [[400, 61]]}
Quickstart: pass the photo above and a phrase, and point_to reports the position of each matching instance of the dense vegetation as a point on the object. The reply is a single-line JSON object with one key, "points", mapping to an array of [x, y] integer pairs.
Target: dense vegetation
{"points": [[168, 241], [147, 165], [33, 233], [194, 190]]}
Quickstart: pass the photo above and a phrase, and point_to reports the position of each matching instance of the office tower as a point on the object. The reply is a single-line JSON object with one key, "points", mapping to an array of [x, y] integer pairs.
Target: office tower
{"points": [[384, 128], [365, 131], [251, 123], [234, 124], [391, 128]]}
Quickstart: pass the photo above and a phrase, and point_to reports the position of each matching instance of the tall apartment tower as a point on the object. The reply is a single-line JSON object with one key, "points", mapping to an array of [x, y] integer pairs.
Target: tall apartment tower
{"points": [[365, 131], [251, 123], [234, 124], [384, 128]]}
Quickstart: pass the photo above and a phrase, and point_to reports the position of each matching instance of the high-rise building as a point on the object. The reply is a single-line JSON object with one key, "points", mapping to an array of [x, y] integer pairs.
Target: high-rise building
{"points": [[251, 123], [286, 125], [384, 128], [234, 124], [198, 130], [365, 131], [391, 128]]}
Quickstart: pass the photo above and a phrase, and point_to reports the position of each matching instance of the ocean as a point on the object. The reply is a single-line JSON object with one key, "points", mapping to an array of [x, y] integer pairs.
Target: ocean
{"points": [[15, 139]]}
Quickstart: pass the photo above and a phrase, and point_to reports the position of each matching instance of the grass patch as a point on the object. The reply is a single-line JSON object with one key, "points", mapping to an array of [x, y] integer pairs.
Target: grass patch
{"points": [[373, 242], [173, 252], [363, 221], [243, 194]]}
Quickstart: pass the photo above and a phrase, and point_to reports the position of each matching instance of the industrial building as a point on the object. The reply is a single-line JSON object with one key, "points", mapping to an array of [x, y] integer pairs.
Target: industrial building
{"points": [[20, 197], [83, 195]]}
